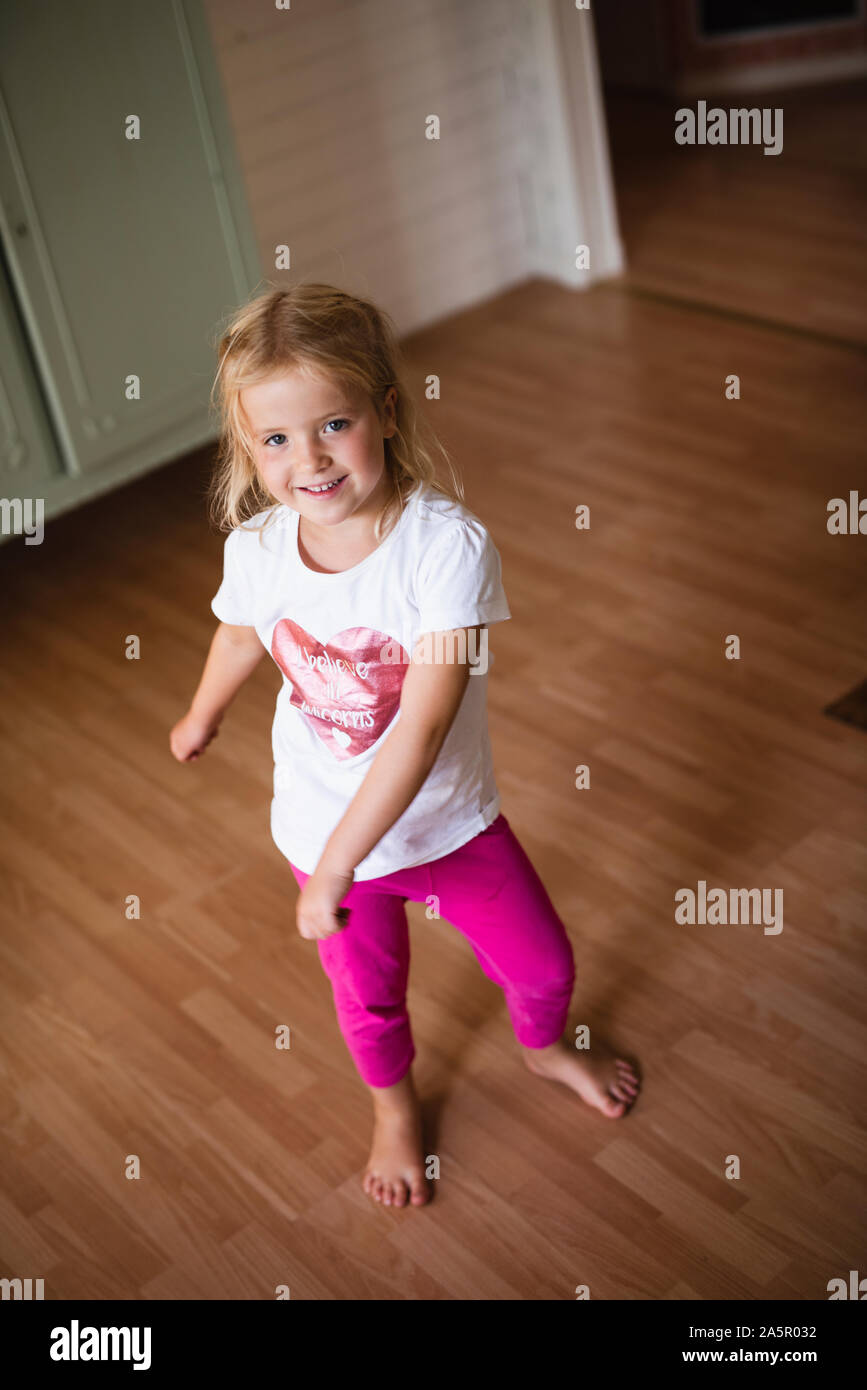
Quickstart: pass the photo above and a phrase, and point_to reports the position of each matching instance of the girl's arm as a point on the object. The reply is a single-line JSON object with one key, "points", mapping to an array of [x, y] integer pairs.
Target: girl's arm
{"points": [[234, 654], [430, 698], [431, 695]]}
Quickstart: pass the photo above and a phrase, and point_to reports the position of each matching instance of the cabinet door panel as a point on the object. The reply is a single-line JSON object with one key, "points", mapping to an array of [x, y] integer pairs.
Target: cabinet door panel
{"points": [[123, 253], [28, 454]]}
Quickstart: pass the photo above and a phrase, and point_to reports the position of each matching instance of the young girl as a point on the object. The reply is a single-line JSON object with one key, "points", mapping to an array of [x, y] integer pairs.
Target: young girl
{"points": [[372, 586]]}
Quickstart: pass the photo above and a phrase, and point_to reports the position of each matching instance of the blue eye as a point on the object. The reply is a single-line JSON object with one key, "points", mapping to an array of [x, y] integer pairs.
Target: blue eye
{"points": [[336, 421]]}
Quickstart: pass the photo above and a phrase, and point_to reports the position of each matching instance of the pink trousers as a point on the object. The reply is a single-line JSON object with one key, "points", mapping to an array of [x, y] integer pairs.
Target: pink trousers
{"points": [[490, 891]]}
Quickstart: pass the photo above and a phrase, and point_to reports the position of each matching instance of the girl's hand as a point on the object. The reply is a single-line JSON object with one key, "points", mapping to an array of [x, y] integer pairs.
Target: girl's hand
{"points": [[191, 736], [319, 913]]}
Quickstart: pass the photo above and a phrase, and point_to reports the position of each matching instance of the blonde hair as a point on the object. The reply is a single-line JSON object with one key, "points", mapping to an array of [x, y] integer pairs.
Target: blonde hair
{"points": [[325, 332]]}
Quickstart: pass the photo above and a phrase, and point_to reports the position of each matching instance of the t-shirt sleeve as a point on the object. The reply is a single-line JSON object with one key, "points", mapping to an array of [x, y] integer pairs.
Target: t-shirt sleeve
{"points": [[459, 580], [233, 601]]}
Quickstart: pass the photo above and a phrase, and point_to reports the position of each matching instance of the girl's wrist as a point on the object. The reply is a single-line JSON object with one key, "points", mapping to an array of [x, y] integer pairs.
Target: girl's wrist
{"points": [[331, 864], [205, 715]]}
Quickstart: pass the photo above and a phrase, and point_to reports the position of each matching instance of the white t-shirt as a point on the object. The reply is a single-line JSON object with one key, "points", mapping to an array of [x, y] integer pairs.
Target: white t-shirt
{"points": [[343, 642]]}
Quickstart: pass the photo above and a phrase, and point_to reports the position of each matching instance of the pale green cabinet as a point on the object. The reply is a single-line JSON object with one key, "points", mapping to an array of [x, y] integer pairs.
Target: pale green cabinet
{"points": [[120, 255]]}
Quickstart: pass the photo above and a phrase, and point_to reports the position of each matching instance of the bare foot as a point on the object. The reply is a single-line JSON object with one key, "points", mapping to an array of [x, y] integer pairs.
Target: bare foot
{"points": [[606, 1082], [395, 1169]]}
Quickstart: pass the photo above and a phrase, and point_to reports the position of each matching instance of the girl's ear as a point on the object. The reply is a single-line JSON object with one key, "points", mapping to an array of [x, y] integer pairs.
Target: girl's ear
{"points": [[389, 411]]}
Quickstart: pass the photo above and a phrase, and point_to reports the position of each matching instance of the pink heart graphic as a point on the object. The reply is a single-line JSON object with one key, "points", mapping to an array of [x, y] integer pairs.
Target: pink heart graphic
{"points": [[346, 691]]}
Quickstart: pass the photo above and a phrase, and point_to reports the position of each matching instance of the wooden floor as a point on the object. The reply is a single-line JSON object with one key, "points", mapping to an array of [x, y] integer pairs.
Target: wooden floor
{"points": [[781, 237], [155, 1037]]}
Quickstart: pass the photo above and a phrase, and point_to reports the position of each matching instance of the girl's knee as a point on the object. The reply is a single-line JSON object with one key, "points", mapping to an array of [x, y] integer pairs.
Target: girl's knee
{"points": [[554, 978]]}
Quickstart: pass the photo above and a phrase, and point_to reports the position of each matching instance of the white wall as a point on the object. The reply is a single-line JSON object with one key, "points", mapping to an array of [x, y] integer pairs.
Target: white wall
{"points": [[328, 101]]}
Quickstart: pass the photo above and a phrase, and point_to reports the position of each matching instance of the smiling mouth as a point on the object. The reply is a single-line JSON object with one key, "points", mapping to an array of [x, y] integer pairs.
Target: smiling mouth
{"points": [[324, 489]]}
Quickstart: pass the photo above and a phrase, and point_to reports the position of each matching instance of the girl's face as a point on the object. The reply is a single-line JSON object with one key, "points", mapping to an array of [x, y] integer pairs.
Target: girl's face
{"points": [[309, 433]]}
